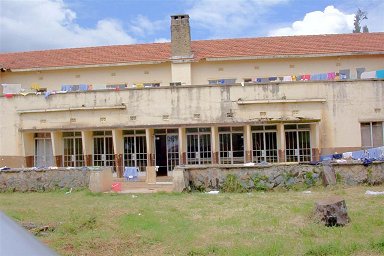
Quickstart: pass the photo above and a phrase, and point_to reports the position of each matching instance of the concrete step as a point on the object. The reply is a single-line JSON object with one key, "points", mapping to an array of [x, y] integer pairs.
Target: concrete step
{"points": [[140, 186]]}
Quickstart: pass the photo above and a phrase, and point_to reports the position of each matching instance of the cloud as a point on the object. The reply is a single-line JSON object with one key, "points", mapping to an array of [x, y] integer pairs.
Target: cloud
{"points": [[230, 18], [48, 24], [330, 21], [142, 26], [162, 40]]}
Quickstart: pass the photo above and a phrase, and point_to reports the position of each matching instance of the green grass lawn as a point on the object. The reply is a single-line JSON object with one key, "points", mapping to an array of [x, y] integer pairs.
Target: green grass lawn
{"points": [[272, 223]]}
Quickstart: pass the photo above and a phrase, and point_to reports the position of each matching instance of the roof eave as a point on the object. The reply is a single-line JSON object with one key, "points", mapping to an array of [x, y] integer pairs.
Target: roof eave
{"points": [[89, 66], [290, 56]]}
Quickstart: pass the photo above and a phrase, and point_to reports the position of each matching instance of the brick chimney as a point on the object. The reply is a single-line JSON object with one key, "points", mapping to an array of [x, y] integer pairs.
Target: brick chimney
{"points": [[181, 37]]}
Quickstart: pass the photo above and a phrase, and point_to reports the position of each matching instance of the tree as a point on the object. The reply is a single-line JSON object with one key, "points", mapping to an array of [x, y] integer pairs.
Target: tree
{"points": [[359, 16]]}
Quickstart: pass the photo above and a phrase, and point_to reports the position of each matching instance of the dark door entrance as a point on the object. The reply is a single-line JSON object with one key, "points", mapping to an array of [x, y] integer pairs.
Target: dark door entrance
{"points": [[161, 154]]}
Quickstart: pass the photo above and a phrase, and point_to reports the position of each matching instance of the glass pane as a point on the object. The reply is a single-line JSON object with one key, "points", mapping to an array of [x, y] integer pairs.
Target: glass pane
{"points": [[191, 130], [366, 135], [290, 127], [377, 134]]}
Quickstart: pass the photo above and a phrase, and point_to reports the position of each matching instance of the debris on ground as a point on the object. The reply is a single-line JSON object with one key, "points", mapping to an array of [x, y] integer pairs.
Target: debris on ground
{"points": [[38, 230], [213, 192], [375, 193]]}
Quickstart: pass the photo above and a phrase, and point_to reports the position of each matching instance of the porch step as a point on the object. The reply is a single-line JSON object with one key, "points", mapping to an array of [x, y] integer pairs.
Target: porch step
{"points": [[140, 186]]}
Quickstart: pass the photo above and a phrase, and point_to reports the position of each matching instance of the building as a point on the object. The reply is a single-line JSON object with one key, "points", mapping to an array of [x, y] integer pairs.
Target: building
{"points": [[231, 101]]}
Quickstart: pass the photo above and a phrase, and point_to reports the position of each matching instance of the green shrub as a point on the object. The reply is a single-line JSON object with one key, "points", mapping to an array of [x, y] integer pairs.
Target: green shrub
{"points": [[309, 179], [232, 184], [339, 178], [259, 182]]}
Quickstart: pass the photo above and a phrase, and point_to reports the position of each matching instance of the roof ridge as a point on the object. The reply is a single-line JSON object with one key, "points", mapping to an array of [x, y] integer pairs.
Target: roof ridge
{"points": [[200, 40]]}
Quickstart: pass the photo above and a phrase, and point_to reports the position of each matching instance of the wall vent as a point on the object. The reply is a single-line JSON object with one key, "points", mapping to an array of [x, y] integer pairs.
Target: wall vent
{"points": [[132, 118], [165, 117], [103, 119], [72, 120], [196, 116]]}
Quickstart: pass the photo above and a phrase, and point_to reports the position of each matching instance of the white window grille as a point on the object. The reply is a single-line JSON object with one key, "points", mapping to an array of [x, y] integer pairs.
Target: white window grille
{"points": [[231, 145], [199, 146], [73, 149], [103, 153], [297, 143], [264, 144], [135, 149]]}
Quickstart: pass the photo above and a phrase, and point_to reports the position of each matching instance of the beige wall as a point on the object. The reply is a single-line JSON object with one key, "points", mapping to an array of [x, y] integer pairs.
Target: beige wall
{"points": [[345, 105], [181, 72], [197, 73], [53, 79], [207, 70]]}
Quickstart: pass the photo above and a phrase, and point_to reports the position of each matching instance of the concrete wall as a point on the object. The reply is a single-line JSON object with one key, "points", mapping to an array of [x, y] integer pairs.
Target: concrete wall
{"points": [[197, 73], [276, 175], [345, 104], [53, 79], [239, 69]]}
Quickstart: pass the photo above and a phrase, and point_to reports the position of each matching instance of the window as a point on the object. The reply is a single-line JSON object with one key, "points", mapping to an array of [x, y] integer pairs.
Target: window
{"points": [[135, 149], [151, 85], [73, 149], [103, 153], [199, 146], [43, 150], [372, 134], [116, 86], [231, 141], [297, 143], [222, 81], [344, 74], [359, 71], [264, 144]]}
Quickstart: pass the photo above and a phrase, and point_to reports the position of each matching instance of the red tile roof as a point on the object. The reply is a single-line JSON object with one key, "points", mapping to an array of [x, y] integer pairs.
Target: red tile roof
{"points": [[268, 47]]}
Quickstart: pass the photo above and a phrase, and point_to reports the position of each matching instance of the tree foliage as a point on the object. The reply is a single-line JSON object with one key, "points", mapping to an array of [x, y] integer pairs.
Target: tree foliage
{"points": [[360, 16]]}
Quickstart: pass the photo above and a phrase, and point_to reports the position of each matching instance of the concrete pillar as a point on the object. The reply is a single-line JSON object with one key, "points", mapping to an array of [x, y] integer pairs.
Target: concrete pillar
{"points": [[149, 137], [118, 147], [281, 142], [87, 140], [182, 145], [215, 144], [29, 148], [315, 141], [57, 147], [248, 143]]}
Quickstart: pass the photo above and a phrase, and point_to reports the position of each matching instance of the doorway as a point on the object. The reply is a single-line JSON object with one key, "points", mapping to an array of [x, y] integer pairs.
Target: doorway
{"points": [[167, 150], [161, 154]]}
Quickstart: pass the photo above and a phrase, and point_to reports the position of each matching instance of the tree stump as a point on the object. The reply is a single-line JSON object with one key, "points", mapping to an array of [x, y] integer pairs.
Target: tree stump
{"points": [[332, 212]]}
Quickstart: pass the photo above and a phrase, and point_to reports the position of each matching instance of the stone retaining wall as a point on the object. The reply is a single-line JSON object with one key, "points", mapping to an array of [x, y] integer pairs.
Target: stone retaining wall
{"points": [[275, 175], [25, 179]]}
